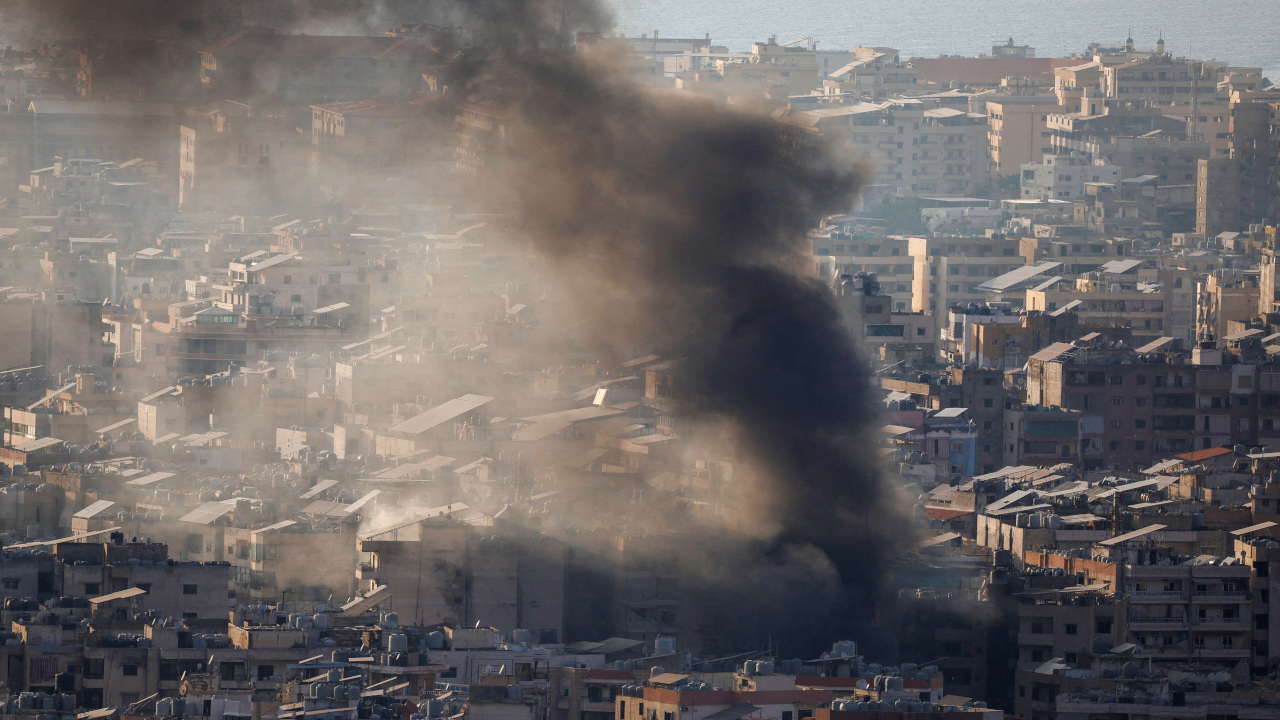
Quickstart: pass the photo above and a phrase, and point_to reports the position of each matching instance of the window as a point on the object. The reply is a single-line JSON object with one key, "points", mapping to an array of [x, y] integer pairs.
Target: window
{"points": [[1115, 401], [11, 583], [288, 279], [129, 669], [1199, 641], [988, 403], [295, 298], [1102, 627], [188, 589], [144, 587], [92, 588], [1228, 641], [1072, 629]]}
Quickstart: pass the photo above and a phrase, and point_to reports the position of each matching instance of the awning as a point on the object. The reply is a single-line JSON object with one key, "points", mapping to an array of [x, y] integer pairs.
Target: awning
{"points": [[118, 595], [379, 594], [1133, 535], [940, 539], [1254, 528]]}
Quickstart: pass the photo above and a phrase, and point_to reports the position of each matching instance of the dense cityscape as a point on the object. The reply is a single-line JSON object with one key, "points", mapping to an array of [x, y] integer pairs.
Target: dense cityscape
{"points": [[493, 365]]}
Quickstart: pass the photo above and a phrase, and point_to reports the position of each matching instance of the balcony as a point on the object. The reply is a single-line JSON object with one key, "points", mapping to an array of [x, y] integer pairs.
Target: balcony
{"points": [[1220, 623], [1158, 623], [1241, 652], [1221, 596], [1157, 596]]}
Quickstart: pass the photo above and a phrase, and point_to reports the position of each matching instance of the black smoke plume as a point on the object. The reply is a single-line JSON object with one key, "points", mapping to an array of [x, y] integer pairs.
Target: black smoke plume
{"points": [[679, 225]]}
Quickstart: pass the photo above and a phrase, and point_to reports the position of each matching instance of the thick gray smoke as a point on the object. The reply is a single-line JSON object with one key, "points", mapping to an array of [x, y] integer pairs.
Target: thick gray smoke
{"points": [[203, 19], [676, 223]]}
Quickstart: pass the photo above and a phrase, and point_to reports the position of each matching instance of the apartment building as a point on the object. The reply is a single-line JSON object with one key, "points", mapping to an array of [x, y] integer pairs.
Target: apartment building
{"points": [[1160, 79], [875, 73], [1063, 177], [916, 146], [311, 68], [1140, 408], [1019, 132], [839, 252], [948, 270], [235, 155], [1150, 309]]}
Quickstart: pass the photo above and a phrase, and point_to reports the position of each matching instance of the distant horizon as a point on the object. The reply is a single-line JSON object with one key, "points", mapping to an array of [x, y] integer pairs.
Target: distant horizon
{"points": [[932, 28]]}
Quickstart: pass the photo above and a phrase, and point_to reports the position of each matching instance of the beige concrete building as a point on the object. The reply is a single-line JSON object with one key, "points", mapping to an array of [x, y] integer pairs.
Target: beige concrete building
{"points": [[1019, 131], [917, 147], [948, 271]]}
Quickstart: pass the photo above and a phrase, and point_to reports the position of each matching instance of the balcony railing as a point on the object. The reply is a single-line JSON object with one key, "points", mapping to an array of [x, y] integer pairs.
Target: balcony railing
{"points": [[1153, 621], [1221, 621], [1158, 595], [1205, 595]]}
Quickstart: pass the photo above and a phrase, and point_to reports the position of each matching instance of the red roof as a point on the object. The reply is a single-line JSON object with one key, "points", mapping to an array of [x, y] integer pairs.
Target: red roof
{"points": [[258, 45], [938, 513], [1205, 454]]}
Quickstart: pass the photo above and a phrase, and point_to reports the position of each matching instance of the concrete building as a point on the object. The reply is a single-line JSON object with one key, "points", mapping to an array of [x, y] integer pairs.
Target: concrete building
{"points": [[917, 147], [239, 155], [1063, 177], [311, 68], [1019, 131], [948, 270]]}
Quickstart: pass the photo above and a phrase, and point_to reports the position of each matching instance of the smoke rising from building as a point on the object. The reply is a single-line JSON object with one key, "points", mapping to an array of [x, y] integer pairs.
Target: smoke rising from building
{"points": [[676, 225]]}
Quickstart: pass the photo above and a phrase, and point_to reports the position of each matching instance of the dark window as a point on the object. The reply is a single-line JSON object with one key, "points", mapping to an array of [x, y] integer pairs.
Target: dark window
{"points": [[129, 669], [92, 588], [188, 589], [1071, 629]]}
